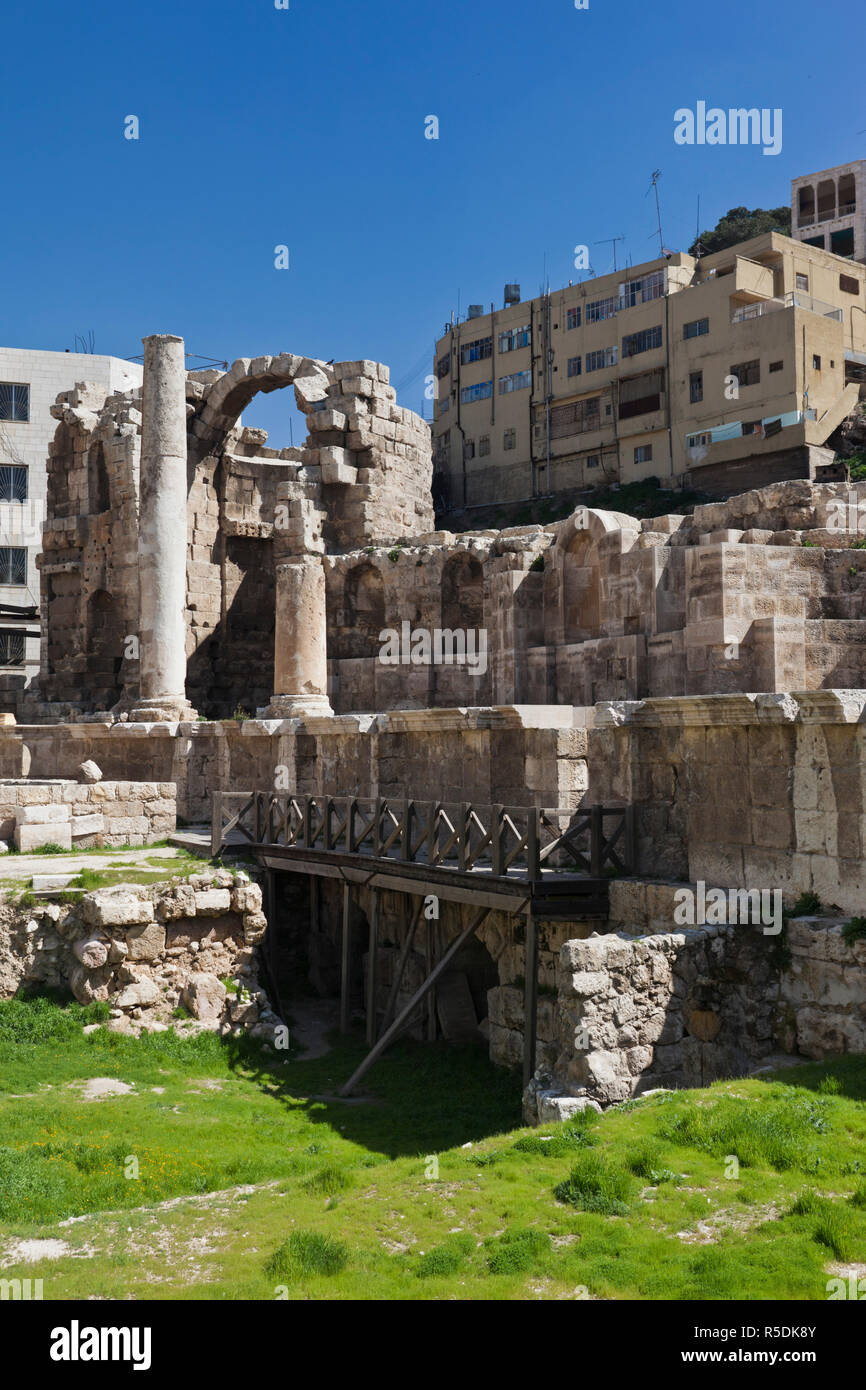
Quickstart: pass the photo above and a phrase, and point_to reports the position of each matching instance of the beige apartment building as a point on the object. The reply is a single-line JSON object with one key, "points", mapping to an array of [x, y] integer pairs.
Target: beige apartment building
{"points": [[724, 372]]}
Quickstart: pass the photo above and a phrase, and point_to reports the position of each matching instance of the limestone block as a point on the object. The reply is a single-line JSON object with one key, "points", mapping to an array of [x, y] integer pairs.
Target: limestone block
{"points": [[87, 825], [212, 902], [30, 837], [92, 951], [146, 942], [42, 815], [180, 903], [338, 465], [204, 995], [88, 771], [138, 995], [124, 905]]}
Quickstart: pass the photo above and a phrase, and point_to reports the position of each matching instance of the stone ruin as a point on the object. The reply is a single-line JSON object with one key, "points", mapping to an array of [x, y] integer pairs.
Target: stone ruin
{"points": [[705, 669]]}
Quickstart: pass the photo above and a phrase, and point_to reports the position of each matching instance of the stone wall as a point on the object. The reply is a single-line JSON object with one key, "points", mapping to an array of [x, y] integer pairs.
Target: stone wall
{"points": [[684, 1008], [145, 951], [749, 791], [85, 815], [512, 755]]}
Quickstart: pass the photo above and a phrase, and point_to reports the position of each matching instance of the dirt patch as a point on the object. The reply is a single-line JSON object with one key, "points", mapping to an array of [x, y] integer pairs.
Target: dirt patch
{"points": [[25, 1252], [102, 1088]]}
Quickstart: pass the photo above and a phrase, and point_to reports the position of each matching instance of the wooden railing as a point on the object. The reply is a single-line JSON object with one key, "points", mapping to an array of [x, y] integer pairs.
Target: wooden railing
{"points": [[500, 840]]}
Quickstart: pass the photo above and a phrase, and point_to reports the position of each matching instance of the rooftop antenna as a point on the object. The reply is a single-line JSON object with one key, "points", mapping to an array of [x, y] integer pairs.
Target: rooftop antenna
{"points": [[699, 245], [654, 186], [611, 240]]}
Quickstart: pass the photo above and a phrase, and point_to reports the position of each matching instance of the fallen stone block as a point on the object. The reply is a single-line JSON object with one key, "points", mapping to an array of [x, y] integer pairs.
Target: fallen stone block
{"points": [[88, 771], [204, 995], [125, 905], [93, 824], [138, 995], [30, 837]]}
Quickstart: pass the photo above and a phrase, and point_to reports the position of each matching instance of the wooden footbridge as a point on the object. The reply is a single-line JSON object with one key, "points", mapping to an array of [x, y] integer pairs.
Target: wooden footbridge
{"points": [[538, 864]]}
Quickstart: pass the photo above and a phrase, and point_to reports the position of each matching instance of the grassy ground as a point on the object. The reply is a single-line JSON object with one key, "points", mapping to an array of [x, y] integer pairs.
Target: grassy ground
{"points": [[255, 1181], [103, 869]]}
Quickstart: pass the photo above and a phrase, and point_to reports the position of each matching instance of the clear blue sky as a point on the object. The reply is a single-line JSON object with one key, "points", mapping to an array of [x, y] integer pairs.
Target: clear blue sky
{"points": [[305, 127]]}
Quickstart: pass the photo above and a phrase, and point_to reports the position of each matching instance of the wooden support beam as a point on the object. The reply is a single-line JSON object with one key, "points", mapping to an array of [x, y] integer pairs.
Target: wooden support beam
{"points": [[401, 965], [530, 999], [396, 1027], [346, 960], [372, 968], [431, 953], [216, 826]]}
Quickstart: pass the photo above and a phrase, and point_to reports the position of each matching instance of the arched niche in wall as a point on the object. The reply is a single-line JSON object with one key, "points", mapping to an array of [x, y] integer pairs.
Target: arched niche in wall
{"points": [[357, 625], [462, 593]]}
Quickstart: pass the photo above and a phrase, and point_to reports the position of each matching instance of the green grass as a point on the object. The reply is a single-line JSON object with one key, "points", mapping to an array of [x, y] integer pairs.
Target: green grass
{"points": [[254, 1175]]}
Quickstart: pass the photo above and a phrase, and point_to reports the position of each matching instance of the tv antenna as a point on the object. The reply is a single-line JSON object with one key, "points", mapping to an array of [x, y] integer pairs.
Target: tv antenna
{"points": [[608, 241], [654, 187]]}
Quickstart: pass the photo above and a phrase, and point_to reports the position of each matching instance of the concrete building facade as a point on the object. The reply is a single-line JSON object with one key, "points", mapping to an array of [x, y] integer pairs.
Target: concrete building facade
{"points": [[30, 381], [726, 372], [828, 210]]}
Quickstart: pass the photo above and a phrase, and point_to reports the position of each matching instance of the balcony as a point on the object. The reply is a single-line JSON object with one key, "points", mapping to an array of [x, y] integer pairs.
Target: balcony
{"points": [[794, 299]]}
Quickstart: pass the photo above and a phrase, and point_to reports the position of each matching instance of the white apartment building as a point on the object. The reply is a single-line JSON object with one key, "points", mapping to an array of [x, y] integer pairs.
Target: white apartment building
{"points": [[30, 381]]}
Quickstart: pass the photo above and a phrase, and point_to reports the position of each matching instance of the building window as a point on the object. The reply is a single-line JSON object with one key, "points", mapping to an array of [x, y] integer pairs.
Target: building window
{"points": [[641, 291], [601, 309], [13, 565], [509, 439], [573, 317], [696, 329], [813, 241], [648, 338], [14, 401], [514, 338], [849, 284], [747, 373], [575, 418], [776, 366], [442, 446], [518, 381], [753, 427], [468, 449], [816, 362], [640, 394], [643, 453], [593, 461], [13, 483], [697, 441], [574, 366], [484, 446], [443, 366], [604, 357], [476, 351], [481, 391], [696, 387], [803, 282], [11, 648], [842, 242]]}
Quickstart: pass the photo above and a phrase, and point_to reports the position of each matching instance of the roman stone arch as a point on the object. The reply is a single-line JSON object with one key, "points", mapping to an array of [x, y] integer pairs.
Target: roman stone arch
{"points": [[463, 592], [224, 400], [574, 601], [362, 617]]}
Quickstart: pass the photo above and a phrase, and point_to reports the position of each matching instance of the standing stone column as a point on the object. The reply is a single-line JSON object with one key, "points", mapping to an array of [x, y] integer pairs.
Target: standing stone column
{"points": [[162, 533], [300, 641]]}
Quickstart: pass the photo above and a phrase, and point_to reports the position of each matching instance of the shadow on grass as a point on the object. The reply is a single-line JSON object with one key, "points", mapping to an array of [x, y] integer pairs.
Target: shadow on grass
{"points": [[849, 1073], [418, 1098]]}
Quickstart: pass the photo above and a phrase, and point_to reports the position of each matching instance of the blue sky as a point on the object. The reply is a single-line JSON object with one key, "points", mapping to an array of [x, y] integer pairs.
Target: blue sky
{"points": [[305, 127]]}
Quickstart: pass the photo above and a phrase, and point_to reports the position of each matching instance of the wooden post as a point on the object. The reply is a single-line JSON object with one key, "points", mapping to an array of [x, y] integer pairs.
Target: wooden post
{"points": [[346, 960], [372, 968], [397, 1026], [630, 839], [497, 831], [401, 965], [314, 905], [216, 825], [596, 835], [432, 943], [533, 865], [530, 998]]}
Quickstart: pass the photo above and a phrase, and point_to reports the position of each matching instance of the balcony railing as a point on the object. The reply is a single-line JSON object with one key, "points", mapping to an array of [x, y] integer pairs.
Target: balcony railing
{"points": [[794, 299]]}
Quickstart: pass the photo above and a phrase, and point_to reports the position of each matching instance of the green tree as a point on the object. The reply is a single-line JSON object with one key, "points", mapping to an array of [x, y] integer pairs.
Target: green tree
{"points": [[739, 224]]}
